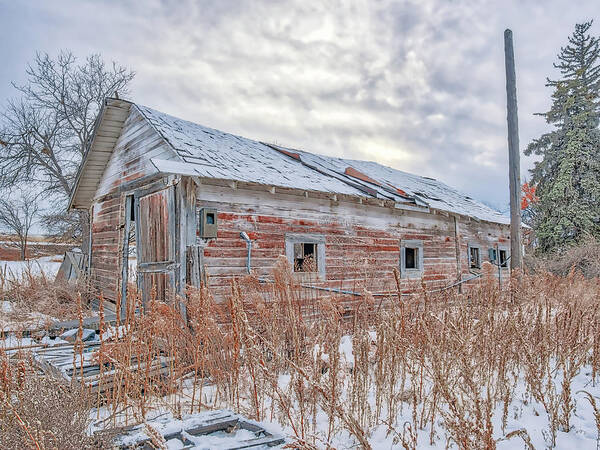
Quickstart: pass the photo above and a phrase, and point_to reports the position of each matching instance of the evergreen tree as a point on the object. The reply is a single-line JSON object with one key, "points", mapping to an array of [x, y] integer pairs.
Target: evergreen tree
{"points": [[567, 179]]}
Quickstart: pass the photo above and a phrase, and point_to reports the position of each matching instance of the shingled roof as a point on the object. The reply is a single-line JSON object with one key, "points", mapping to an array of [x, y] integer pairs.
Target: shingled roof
{"points": [[210, 153]]}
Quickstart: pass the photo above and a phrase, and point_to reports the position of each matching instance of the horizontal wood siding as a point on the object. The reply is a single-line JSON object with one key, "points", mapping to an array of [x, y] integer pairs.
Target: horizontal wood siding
{"points": [[131, 156], [129, 161], [362, 242], [485, 236], [105, 247]]}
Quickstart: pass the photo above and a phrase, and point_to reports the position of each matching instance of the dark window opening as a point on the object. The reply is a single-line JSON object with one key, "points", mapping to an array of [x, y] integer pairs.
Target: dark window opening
{"points": [[410, 258], [503, 258], [474, 260], [210, 218], [130, 226], [305, 257], [492, 255]]}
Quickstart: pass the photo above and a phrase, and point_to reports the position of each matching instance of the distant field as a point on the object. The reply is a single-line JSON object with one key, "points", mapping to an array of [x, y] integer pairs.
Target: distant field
{"points": [[38, 246]]}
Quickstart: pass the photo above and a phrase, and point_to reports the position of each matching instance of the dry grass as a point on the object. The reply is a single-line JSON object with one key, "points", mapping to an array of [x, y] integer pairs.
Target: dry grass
{"points": [[32, 291], [428, 366], [41, 412], [582, 258]]}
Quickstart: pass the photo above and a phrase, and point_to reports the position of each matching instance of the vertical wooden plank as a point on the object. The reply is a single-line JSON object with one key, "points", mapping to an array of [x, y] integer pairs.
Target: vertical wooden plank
{"points": [[173, 221], [180, 223], [191, 212], [125, 256], [186, 196], [194, 265], [88, 267], [138, 244], [457, 250], [188, 226]]}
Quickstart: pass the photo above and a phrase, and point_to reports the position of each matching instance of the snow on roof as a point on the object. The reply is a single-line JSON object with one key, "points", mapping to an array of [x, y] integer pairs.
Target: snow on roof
{"points": [[215, 154], [423, 189], [210, 153]]}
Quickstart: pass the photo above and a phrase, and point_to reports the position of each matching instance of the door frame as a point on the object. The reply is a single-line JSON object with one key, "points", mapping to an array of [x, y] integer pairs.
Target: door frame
{"points": [[172, 266]]}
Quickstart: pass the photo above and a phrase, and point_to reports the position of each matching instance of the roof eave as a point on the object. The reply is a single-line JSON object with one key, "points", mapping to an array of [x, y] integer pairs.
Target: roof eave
{"points": [[73, 205]]}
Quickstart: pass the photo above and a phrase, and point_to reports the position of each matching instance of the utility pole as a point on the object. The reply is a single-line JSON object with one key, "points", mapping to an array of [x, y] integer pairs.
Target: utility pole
{"points": [[514, 165]]}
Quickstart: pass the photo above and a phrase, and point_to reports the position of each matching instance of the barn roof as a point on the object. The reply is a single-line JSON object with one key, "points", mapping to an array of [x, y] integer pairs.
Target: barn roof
{"points": [[210, 153]]}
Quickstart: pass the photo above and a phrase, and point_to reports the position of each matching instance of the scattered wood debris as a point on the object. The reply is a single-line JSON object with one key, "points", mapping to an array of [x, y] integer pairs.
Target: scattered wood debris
{"points": [[72, 267], [82, 366], [221, 429]]}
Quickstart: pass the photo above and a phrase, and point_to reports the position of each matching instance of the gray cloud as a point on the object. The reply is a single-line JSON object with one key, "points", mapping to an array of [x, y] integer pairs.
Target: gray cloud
{"points": [[418, 85]]}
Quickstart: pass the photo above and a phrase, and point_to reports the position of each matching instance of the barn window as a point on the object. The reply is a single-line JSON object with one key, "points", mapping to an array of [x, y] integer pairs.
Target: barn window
{"points": [[411, 258], [492, 255], [411, 255], [503, 258], [305, 257], [306, 252], [474, 257]]}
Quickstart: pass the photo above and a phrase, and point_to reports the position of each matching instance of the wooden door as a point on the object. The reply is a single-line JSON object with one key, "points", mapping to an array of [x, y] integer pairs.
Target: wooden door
{"points": [[157, 266]]}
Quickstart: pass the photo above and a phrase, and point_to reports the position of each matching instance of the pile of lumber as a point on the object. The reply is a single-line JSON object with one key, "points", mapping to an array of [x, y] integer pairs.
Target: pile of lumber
{"points": [[81, 365]]}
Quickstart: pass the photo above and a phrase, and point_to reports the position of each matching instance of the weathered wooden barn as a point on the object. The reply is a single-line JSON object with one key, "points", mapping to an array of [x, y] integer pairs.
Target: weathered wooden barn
{"points": [[177, 203]]}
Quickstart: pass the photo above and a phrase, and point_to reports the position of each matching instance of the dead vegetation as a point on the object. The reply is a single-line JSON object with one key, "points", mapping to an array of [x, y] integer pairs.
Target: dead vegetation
{"points": [[32, 291], [41, 412], [582, 258], [423, 368]]}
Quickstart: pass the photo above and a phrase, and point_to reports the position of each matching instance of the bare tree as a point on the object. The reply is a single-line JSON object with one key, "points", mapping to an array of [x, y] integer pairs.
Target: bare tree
{"points": [[44, 134], [17, 217]]}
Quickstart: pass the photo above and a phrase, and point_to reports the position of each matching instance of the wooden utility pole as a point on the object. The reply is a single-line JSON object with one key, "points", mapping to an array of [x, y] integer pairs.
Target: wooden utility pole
{"points": [[514, 165]]}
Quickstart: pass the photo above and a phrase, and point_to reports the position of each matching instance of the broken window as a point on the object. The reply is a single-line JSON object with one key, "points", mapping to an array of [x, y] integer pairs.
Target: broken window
{"points": [[474, 258], [130, 229], [210, 218], [499, 257], [503, 258], [306, 252], [411, 258], [411, 255], [305, 257]]}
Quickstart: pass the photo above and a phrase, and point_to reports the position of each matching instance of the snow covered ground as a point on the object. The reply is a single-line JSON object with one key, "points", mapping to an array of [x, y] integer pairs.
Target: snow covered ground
{"points": [[166, 425], [11, 319], [48, 265], [526, 419], [524, 413]]}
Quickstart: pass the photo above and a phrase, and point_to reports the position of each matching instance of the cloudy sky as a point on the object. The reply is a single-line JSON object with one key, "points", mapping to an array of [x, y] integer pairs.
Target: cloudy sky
{"points": [[417, 85]]}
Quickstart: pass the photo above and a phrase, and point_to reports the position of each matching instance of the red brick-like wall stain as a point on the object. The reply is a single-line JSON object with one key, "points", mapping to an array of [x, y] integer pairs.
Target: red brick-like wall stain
{"points": [[356, 257]]}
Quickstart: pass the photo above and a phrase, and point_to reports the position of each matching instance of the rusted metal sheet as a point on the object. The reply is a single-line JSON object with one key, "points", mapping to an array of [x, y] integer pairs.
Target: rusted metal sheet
{"points": [[361, 176]]}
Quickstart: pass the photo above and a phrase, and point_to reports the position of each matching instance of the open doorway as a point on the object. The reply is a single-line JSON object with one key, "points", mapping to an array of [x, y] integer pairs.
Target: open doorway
{"points": [[129, 262]]}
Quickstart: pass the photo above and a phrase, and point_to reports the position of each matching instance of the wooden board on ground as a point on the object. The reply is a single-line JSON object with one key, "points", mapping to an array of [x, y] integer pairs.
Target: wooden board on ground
{"points": [[65, 362], [93, 323], [191, 431]]}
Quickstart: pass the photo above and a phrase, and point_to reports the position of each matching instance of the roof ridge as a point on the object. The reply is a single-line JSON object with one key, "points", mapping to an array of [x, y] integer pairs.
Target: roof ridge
{"points": [[139, 108]]}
